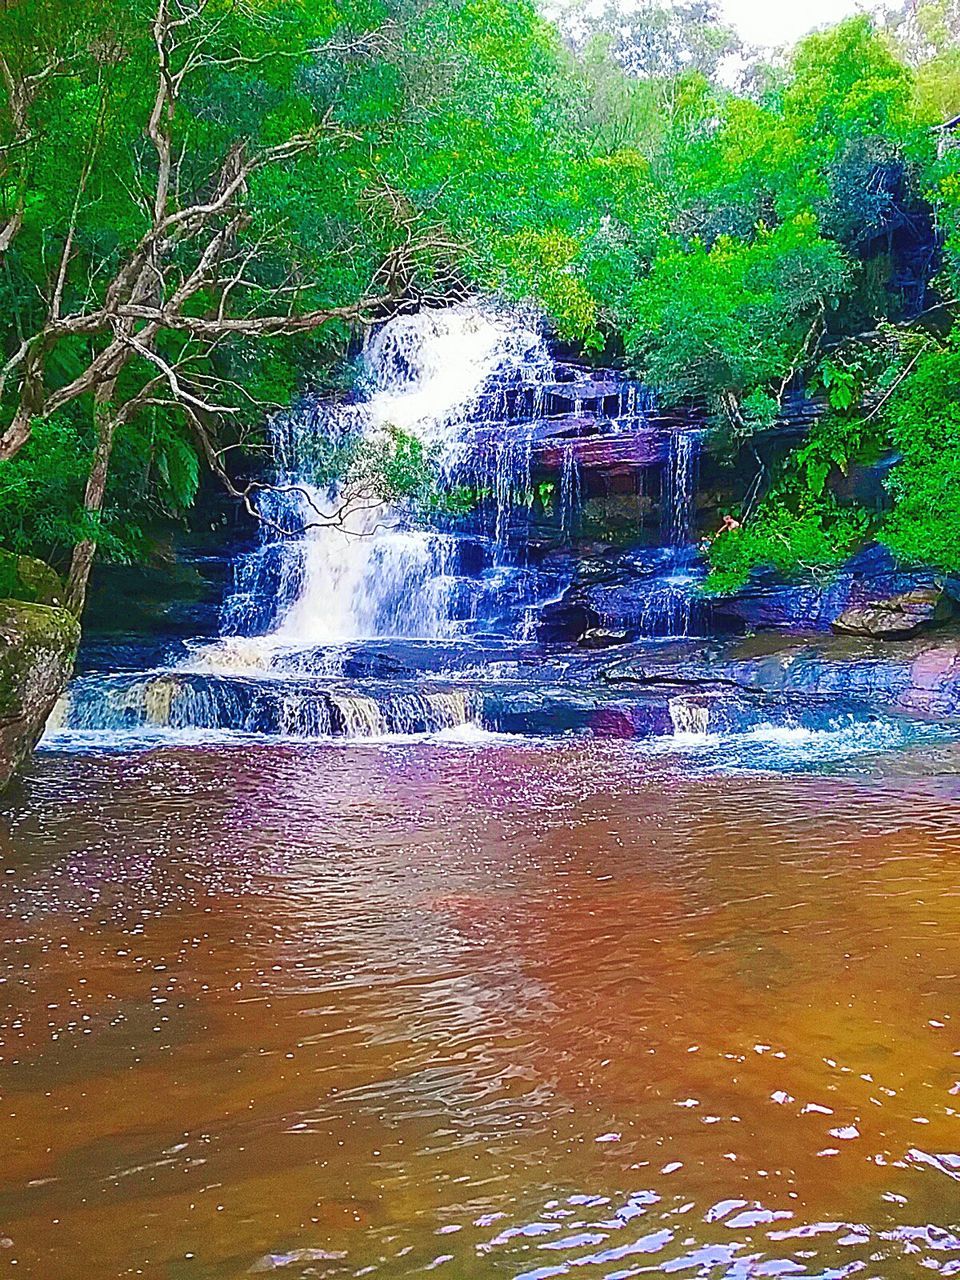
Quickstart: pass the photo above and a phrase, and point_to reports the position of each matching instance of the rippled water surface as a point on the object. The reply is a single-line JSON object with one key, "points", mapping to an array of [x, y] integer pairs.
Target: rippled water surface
{"points": [[488, 1010]]}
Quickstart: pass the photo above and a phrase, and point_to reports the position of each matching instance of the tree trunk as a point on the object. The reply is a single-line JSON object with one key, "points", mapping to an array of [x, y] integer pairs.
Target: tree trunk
{"points": [[84, 552]]}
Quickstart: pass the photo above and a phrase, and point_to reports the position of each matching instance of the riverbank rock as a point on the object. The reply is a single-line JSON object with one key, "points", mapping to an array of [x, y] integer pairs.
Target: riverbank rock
{"points": [[769, 604], [38, 643], [899, 617], [919, 677], [641, 591], [564, 621], [871, 595]]}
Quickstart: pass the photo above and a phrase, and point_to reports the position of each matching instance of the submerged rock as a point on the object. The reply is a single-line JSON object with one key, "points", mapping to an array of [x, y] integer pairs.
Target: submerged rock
{"points": [[898, 617], [38, 643]]}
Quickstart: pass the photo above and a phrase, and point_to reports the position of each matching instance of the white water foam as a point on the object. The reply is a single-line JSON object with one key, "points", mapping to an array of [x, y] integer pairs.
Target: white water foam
{"points": [[776, 748]]}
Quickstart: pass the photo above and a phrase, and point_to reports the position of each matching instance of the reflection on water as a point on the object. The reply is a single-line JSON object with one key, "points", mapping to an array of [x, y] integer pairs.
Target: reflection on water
{"points": [[494, 1011]]}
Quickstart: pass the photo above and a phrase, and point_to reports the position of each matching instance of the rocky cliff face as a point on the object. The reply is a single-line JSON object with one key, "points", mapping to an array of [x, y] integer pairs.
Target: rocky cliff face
{"points": [[38, 643]]}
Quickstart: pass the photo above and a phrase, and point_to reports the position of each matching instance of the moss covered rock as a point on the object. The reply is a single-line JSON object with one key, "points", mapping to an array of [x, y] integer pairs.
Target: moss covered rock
{"points": [[24, 578], [38, 644]]}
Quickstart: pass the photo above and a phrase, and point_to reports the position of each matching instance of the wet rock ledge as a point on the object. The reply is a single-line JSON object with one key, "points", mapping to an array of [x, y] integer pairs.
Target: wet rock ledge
{"points": [[915, 677]]}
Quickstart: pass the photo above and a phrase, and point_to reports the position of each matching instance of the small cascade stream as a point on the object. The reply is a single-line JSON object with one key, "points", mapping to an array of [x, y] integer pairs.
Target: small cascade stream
{"points": [[571, 492], [672, 607], [680, 506]]}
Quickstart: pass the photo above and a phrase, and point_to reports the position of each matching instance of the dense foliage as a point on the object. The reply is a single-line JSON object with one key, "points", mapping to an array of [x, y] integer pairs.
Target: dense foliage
{"points": [[727, 245]]}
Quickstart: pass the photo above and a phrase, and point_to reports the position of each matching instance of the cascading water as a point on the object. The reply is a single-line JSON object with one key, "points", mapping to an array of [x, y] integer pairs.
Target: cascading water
{"points": [[680, 508], [689, 717], [468, 381], [450, 377], [671, 607]]}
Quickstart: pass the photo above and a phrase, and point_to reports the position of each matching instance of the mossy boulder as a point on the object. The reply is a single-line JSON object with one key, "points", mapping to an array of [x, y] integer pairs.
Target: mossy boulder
{"points": [[24, 578], [38, 643]]}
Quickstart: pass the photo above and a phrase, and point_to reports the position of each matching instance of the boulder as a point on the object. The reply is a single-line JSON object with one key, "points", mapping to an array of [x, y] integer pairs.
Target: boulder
{"points": [[38, 643], [897, 617]]}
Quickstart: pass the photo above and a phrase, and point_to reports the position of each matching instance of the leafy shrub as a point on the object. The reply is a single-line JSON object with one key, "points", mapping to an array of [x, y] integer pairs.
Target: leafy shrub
{"points": [[812, 537], [923, 419]]}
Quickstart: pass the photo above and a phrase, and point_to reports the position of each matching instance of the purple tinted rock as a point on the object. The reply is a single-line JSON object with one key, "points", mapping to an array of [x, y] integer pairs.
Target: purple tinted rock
{"points": [[897, 617]]}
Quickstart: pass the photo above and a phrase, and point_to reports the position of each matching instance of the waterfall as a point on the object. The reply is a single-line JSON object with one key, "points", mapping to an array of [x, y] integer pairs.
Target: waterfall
{"points": [[453, 378], [679, 514], [477, 384]]}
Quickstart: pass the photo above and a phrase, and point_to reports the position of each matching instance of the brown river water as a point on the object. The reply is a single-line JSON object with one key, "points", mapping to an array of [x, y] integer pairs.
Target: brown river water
{"points": [[491, 1010]]}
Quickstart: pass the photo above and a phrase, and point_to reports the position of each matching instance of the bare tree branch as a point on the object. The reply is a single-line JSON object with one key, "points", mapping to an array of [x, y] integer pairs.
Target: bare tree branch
{"points": [[198, 243]]}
